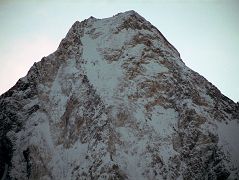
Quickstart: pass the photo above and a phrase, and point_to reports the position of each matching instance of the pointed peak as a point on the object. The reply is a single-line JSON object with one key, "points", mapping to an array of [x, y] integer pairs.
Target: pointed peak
{"points": [[129, 14]]}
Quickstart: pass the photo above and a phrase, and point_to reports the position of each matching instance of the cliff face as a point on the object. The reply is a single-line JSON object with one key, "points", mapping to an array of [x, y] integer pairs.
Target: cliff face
{"points": [[115, 101]]}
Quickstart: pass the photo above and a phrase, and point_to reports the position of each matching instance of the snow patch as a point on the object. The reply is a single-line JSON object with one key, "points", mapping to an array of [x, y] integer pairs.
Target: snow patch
{"points": [[162, 120], [153, 68], [228, 140]]}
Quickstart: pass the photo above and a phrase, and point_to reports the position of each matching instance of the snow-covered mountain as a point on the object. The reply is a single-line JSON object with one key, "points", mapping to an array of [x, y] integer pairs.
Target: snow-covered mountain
{"points": [[115, 101]]}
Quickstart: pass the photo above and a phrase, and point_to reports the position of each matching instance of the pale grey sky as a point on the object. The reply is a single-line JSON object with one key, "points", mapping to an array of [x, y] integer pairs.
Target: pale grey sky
{"points": [[205, 32]]}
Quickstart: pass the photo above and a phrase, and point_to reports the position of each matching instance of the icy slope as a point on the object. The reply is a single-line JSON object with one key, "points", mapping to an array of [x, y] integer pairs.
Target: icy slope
{"points": [[115, 101]]}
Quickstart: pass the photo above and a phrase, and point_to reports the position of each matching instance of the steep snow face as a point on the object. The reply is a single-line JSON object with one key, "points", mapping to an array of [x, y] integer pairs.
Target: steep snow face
{"points": [[104, 76], [115, 101]]}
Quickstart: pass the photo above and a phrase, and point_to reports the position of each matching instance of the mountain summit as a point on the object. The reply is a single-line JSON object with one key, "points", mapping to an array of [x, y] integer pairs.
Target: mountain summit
{"points": [[115, 101]]}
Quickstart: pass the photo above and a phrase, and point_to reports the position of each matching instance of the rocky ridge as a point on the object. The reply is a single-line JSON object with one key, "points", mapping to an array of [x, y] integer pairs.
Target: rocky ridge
{"points": [[115, 101]]}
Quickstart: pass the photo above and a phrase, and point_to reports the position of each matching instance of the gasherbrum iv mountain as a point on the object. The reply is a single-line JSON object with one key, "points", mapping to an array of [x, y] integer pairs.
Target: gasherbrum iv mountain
{"points": [[115, 101]]}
